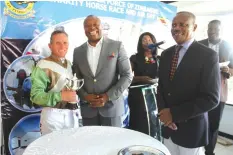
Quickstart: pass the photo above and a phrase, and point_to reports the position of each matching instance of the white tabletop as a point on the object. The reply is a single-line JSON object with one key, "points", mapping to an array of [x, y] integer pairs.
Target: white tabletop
{"points": [[91, 140]]}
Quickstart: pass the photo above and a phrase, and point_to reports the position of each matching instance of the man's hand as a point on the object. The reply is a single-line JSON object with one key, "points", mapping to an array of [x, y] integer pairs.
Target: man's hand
{"points": [[96, 100], [104, 98], [225, 69], [231, 71], [172, 126], [165, 116], [92, 99], [68, 96]]}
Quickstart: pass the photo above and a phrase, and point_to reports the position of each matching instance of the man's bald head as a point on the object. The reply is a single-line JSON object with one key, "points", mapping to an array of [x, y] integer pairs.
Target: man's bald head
{"points": [[93, 29], [91, 17], [190, 15], [183, 27]]}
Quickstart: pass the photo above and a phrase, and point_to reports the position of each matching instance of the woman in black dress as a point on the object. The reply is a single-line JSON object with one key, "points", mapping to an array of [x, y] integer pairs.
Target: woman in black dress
{"points": [[145, 62], [145, 68]]}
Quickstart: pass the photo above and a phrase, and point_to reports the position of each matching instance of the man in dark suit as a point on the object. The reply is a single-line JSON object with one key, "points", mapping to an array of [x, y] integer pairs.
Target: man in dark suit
{"points": [[105, 68], [225, 53], [189, 82]]}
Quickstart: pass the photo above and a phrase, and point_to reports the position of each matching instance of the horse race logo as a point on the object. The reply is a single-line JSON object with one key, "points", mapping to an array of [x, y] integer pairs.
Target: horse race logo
{"points": [[19, 9]]}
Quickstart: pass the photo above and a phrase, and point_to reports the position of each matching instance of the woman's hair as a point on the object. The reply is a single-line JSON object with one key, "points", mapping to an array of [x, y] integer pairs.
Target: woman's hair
{"points": [[140, 49]]}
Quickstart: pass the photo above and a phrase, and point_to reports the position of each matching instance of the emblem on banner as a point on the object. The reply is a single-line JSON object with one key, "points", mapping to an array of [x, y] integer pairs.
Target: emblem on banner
{"points": [[163, 20], [19, 9]]}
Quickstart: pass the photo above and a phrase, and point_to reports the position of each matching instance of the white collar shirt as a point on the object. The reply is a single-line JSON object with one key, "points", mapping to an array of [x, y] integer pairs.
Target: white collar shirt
{"points": [[215, 47], [93, 54], [184, 49]]}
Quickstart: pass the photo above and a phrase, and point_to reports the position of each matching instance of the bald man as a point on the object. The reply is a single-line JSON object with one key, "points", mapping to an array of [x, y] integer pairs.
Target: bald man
{"points": [[105, 68], [189, 82]]}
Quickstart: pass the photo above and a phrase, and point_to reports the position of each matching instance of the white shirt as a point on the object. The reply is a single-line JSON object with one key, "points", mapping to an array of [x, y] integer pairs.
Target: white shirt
{"points": [[62, 60], [184, 49], [93, 54], [215, 47]]}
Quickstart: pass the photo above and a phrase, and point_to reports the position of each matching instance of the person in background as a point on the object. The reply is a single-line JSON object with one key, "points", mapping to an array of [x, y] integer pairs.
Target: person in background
{"points": [[144, 65], [49, 87], [225, 52], [189, 85], [105, 67]]}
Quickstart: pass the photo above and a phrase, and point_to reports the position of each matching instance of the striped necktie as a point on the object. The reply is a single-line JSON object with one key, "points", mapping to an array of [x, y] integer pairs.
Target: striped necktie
{"points": [[174, 62]]}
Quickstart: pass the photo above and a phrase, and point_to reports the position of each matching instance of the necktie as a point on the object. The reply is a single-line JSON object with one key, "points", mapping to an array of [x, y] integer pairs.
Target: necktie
{"points": [[174, 62]]}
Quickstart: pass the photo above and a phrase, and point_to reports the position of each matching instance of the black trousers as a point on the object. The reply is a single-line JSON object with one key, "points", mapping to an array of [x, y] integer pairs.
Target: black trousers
{"points": [[138, 115], [215, 116], [142, 112]]}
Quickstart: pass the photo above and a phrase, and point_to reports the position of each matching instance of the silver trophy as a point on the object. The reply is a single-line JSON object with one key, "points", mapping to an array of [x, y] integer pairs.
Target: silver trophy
{"points": [[74, 84]]}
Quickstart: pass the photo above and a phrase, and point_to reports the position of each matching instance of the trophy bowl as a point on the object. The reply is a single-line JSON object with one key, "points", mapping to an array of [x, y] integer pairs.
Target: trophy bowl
{"points": [[140, 150]]}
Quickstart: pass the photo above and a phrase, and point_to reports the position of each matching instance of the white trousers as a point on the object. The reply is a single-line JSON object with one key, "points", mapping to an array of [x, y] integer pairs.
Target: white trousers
{"points": [[56, 119], [179, 150]]}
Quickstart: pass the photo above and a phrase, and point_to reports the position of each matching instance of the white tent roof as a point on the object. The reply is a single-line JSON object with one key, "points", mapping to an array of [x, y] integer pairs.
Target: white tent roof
{"points": [[205, 8], [206, 11]]}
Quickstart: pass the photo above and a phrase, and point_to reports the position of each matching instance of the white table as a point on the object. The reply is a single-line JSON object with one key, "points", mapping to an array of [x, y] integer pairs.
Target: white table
{"points": [[91, 140]]}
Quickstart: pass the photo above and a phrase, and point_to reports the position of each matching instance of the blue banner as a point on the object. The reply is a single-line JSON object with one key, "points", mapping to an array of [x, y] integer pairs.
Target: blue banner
{"points": [[121, 20], [25, 19]]}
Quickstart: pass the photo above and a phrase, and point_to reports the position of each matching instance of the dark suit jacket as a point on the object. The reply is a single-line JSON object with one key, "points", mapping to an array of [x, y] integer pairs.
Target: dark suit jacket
{"points": [[225, 54], [193, 91], [224, 51]]}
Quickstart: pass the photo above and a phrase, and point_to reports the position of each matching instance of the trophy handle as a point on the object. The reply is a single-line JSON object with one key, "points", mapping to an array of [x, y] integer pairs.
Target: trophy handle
{"points": [[81, 80]]}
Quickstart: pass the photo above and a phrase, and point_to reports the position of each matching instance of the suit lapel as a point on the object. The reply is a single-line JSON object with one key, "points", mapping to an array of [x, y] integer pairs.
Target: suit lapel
{"points": [[186, 58], [223, 52], [85, 60], [205, 42], [168, 64], [103, 56]]}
